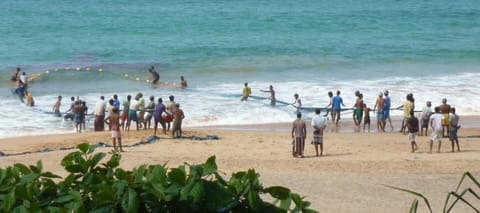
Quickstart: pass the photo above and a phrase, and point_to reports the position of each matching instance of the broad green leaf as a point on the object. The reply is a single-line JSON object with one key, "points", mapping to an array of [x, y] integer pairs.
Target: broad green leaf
{"points": [[97, 158], [49, 175], [278, 192], [23, 169], [114, 161], [218, 198], [297, 200], [83, 147], [210, 166], [285, 204], [28, 178], [178, 176], [20, 209], [130, 201], [253, 200], [192, 190], [65, 198]]}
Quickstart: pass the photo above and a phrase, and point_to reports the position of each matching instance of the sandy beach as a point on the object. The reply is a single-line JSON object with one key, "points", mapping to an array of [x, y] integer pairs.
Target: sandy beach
{"points": [[348, 178]]}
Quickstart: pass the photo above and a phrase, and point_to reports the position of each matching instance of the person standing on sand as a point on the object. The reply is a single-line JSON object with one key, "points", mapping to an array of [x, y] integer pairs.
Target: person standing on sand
{"points": [[379, 108], [366, 118], [337, 103], [115, 128], [132, 113], [437, 129], [453, 126], [318, 123], [178, 116], [426, 113], [386, 109], [445, 110], [85, 112], [78, 112], [412, 125], [56, 107], [358, 110], [99, 114], [141, 109], [157, 116], [126, 108], [246, 92], [116, 102], [170, 110], [270, 90], [299, 133], [149, 109], [408, 106], [155, 75], [330, 104]]}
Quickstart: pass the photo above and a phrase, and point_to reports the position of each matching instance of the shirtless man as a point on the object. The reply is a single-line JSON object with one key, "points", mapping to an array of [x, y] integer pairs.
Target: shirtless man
{"points": [[380, 116], [299, 133], [270, 90], [15, 73], [170, 108], [178, 116], [155, 75], [183, 82], [56, 107], [115, 128], [445, 110]]}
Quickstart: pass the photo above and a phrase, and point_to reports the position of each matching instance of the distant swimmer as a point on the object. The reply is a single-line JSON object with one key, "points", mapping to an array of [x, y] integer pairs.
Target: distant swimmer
{"points": [[155, 75], [270, 90], [56, 107], [246, 92], [183, 82], [15, 74]]}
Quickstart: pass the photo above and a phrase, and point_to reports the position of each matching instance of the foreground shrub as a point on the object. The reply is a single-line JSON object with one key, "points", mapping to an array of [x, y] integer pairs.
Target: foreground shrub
{"points": [[94, 187], [452, 197]]}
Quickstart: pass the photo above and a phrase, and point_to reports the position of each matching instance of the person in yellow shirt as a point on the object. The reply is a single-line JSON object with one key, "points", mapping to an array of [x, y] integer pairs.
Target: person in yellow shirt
{"points": [[246, 92]]}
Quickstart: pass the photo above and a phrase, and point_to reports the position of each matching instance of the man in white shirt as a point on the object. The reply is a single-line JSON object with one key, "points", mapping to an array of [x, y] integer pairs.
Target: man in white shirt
{"points": [[99, 113], [437, 128], [426, 112], [318, 123]]}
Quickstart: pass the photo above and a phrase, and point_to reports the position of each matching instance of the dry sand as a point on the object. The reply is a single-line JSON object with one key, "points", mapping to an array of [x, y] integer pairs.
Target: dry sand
{"points": [[348, 178]]}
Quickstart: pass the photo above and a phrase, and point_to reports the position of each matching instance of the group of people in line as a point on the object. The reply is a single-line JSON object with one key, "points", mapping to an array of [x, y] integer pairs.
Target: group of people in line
{"points": [[120, 119], [443, 119]]}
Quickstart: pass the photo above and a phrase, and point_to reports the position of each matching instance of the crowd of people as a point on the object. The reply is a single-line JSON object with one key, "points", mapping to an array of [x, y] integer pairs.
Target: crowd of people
{"points": [[119, 117], [20, 87], [443, 120]]}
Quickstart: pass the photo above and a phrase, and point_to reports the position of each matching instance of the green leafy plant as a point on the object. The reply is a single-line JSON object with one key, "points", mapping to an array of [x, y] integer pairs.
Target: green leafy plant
{"points": [[452, 197], [92, 186]]}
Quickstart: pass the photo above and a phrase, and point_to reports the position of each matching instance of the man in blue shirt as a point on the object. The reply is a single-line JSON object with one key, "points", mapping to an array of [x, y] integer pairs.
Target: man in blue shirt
{"points": [[337, 103]]}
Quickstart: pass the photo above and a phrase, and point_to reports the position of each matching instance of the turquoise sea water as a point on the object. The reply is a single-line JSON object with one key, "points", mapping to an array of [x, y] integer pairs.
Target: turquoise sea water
{"points": [[431, 48]]}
